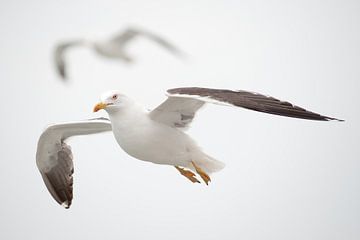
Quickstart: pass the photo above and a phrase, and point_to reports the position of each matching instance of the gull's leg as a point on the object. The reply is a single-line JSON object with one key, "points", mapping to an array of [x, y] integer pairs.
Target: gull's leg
{"points": [[188, 174], [202, 174]]}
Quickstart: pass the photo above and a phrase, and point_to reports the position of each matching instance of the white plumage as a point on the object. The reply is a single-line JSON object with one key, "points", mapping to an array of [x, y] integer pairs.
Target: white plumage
{"points": [[149, 137], [155, 136]]}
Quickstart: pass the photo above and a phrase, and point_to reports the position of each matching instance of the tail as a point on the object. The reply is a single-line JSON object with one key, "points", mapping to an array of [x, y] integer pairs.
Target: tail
{"points": [[207, 164]]}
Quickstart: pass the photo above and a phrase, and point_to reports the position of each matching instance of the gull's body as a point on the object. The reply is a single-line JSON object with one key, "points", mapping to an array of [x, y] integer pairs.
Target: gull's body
{"points": [[113, 48], [155, 136], [149, 140]]}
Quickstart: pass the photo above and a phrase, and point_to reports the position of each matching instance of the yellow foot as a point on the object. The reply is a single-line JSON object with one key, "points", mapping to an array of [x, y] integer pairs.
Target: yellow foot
{"points": [[188, 174], [202, 174]]}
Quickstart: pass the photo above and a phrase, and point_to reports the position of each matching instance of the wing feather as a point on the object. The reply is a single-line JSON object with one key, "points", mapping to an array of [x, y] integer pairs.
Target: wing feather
{"points": [[125, 36], [59, 56], [250, 100], [54, 157], [131, 33], [177, 111], [181, 101]]}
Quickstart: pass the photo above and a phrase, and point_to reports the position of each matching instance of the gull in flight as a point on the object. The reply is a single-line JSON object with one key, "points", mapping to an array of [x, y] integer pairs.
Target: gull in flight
{"points": [[113, 48], [156, 136]]}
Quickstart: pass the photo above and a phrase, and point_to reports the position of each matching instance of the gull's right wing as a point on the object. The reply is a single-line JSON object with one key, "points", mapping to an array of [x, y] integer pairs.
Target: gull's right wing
{"points": [[54, 157], [182, 104]]}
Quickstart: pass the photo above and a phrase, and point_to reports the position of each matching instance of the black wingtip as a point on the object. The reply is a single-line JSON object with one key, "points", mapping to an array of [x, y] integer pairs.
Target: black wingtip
{"points": [[64, 77], [334, 119], [66, 204]]}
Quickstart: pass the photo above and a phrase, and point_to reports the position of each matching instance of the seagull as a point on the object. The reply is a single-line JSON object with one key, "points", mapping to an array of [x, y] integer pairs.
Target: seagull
{"points": [[113, 48], [156, 136]]}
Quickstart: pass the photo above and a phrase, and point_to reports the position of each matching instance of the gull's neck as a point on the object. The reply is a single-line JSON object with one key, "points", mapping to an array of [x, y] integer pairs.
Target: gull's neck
{"points": [[127, 116]]}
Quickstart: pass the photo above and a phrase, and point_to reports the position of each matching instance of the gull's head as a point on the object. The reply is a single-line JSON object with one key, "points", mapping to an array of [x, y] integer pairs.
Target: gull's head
{"points": [[112, 100]]}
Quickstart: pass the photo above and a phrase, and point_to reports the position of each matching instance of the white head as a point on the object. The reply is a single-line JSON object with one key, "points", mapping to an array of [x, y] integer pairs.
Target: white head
{"points": [[113, 101]]}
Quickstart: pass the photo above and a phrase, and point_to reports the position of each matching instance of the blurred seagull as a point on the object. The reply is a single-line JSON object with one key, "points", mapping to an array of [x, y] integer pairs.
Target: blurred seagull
{"points": [[114, 48], [155, 136]]}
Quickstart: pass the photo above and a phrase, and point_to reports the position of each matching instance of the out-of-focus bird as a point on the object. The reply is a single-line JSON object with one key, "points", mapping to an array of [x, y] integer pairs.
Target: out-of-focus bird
{"points": [[155, 136], [113, 48]]}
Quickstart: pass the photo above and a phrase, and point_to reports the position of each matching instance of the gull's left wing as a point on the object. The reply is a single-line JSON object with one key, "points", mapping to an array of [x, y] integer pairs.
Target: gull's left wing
{"points": [[124, 37], [177, 112], [54, 157], [182, 103]]}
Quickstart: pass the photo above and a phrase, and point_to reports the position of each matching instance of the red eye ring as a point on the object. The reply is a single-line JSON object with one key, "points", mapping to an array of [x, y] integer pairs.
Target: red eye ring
{"points": [[115, 96]]}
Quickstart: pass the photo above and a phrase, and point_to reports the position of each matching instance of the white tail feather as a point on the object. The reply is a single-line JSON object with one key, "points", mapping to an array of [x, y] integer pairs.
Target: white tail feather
{"points": [[206, 163]]}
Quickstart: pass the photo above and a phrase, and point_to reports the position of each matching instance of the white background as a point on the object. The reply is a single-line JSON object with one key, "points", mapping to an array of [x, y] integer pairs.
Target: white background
{"points": [[285, 178]]}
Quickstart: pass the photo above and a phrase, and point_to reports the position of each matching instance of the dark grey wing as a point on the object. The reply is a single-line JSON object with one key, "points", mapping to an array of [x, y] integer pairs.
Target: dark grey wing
{"points": [[59, 178], [54, 157], [249, 100], [182, 104]]}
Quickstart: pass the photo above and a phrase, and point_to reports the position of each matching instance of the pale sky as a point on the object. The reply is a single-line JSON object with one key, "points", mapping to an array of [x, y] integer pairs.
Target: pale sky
{"points": [[284, 178]]}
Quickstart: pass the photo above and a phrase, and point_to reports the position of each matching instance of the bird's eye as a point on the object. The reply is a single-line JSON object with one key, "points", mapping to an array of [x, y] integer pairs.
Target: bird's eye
{"points": [[115, 96]]}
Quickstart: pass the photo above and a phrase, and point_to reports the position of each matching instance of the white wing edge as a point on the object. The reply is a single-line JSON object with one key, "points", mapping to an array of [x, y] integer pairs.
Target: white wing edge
{"points": [[200, 98]]}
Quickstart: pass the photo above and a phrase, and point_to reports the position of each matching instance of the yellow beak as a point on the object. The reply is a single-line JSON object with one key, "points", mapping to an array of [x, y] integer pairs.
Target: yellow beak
{"points": [[99, 106]]}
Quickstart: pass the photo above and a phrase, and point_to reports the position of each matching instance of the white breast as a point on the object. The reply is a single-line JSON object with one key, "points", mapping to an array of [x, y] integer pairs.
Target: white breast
{"points": [[148, 140]]}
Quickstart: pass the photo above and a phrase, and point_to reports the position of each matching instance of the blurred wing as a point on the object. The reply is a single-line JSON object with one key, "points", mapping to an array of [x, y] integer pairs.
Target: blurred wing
{"points": [[164, 43], [171, 111], [54, 157], [125, 36], [59, 57], [131, 33]]}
